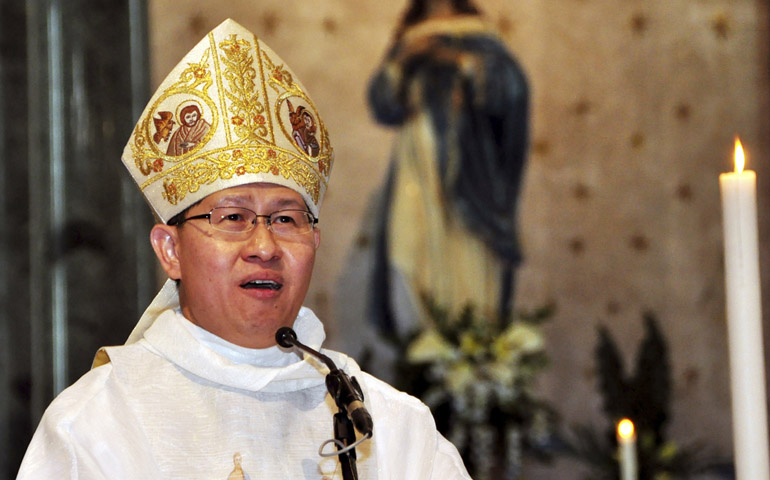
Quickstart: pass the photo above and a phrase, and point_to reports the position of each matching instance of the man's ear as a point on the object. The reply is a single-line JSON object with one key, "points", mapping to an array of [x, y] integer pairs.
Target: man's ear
{"points": [[317, 237], [164, 240]]}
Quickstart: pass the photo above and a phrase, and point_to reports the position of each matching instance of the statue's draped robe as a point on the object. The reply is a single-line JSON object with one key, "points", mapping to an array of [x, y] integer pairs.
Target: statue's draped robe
{"points": [[448, 226]]}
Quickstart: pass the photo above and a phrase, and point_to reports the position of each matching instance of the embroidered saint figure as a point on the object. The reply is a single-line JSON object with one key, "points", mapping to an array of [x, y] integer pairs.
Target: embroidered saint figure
{"points": [[303, 129], [193, 127]]}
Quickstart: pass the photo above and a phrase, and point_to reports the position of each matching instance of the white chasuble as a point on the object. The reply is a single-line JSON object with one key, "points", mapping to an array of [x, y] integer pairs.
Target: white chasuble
{"points": [[183, 404]]}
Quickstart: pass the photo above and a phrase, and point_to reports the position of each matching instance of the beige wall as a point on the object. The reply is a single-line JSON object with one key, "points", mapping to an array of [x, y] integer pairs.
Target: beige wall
{"points": [[635, 105]]}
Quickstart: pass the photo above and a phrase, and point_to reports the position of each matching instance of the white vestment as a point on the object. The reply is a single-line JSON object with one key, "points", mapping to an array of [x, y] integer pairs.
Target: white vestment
{"points": [[181, 403]]}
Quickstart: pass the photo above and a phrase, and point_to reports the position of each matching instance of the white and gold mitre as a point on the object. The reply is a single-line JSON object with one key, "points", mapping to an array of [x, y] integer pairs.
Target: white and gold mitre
{"points": [[230, 113]]}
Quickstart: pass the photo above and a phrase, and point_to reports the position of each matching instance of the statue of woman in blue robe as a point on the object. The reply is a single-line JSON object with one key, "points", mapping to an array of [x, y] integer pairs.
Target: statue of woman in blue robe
{"points": [[448, 231]]}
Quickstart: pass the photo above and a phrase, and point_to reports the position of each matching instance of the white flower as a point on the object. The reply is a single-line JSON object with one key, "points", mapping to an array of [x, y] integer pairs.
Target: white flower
{"points": [[460, 377], [502, 373], [517, 340], [430, 346]]}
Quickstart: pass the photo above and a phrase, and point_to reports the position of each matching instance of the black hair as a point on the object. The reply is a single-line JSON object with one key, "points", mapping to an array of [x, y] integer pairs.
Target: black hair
{"points": [[176, 219], [418, 11]]}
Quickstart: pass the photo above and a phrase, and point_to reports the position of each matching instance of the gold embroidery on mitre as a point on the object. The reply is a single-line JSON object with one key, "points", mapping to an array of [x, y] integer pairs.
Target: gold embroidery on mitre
{"points": [[248, 114], [158, 127], [281, 80], [246, 143], [225, 164]]}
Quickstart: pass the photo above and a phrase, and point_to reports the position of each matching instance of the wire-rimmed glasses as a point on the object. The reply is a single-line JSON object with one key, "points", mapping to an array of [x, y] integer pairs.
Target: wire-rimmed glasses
{"points": [[242, 220]]}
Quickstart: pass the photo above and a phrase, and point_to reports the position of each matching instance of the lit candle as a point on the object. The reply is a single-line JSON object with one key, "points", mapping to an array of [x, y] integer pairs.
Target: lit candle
{"points": [[627, 450], [744, 320]]}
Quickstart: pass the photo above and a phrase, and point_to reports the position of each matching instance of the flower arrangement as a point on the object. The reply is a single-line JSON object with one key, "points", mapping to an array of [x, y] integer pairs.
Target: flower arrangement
{"points": [[477, 375]]}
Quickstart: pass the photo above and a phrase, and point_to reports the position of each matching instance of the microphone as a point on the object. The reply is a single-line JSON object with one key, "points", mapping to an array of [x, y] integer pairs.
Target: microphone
{"points": [[287, 338], [345, 391]]}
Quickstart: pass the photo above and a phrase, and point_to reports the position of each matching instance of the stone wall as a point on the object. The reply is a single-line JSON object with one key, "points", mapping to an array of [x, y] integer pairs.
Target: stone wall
{"points": [[635, 106]]}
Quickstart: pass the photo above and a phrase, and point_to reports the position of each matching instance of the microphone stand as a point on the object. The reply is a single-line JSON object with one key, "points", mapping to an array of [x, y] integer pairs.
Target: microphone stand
{"points": [[345, 436], [341, 387]]}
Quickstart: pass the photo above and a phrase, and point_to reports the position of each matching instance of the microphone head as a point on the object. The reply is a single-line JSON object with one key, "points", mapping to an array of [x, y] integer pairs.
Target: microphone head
{"points": [[361, 419], [286, 337]]}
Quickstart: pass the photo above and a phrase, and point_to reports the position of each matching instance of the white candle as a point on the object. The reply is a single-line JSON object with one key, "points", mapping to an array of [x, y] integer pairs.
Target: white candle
{"points": [[744, 320], [627, 450]]}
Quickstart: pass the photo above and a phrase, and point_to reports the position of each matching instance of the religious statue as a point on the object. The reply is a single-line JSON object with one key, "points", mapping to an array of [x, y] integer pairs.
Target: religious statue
{"points": [[448, 226]]}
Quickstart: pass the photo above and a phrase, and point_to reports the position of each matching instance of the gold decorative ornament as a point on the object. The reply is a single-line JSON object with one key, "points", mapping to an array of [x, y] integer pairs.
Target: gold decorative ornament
{"points": [[230, 113]]}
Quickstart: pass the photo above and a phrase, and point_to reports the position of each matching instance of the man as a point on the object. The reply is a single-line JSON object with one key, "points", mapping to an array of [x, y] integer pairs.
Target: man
{"points": [[201, 390]]}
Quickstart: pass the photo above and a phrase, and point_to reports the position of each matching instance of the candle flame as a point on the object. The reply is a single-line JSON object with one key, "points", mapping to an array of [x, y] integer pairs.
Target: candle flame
{"points": [[625, 428], [739, 157]]}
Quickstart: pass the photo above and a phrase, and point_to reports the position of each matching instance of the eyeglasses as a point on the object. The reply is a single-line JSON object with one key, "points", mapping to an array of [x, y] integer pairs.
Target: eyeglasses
{"points": [[242, 220]]}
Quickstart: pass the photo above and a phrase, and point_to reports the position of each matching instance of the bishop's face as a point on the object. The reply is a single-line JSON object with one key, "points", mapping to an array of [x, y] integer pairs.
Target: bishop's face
{"points": [[218, 270]]}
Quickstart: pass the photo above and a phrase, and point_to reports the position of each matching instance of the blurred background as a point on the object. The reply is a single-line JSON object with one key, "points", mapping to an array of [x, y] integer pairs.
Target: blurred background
{"points": [[634, 109]]}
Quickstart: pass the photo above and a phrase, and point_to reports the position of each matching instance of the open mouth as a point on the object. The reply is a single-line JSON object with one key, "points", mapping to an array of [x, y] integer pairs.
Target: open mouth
{"points": [[262, 285]]}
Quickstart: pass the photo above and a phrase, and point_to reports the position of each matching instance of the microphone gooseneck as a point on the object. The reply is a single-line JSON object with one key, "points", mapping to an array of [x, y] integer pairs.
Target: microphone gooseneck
{"points": [[345, 391], [287, 338]]}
